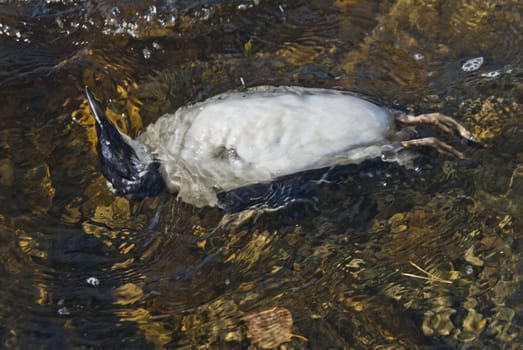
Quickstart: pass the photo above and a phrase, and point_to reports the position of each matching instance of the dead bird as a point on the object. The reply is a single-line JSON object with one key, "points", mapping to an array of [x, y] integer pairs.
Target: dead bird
{"points": [[255, 136]]}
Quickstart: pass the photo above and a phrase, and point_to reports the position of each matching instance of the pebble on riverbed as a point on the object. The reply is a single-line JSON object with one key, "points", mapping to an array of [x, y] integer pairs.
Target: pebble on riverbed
{"points": [[271, 327]]}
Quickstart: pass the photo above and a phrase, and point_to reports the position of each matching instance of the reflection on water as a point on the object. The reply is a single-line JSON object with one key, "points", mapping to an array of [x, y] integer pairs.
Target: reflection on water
{"points": [[428, 257]]}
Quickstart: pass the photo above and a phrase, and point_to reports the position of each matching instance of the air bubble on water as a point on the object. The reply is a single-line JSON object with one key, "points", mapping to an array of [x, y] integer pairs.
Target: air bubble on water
{"points": [[491, 74], [59, 22], [93, 281], [156, 46], [146, 53], [171, 20], [248, 5], [115, 11], [63, 311], [203, 13], [4, 29], [152, 10], [469, 270], [418, 56], [472, 64]]}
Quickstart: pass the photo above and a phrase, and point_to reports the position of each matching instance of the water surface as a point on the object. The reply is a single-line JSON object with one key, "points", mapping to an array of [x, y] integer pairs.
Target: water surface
{"points": [[389, 257]]}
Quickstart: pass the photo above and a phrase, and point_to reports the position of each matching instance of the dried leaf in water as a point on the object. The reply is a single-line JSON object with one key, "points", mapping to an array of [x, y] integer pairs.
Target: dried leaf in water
{"points": [[271, 327]]}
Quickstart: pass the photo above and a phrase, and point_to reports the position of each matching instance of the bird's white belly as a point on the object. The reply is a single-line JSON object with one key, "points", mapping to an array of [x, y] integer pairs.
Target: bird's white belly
{"points": [[238, 139]]}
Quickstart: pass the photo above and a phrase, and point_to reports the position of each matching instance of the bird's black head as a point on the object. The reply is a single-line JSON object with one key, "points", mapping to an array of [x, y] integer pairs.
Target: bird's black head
{"points": [[127, 165]]}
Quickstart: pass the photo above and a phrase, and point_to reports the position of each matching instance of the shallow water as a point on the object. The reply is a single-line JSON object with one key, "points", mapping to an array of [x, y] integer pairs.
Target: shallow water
{"points": [[389, 257]]}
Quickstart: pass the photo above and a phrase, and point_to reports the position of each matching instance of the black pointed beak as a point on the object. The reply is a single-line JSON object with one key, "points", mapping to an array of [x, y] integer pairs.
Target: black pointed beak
{"points": [[97, 110], [107, 132]]}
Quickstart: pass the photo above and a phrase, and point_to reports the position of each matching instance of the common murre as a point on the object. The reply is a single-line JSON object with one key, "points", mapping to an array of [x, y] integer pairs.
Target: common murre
{"points": [[255, 136]]}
